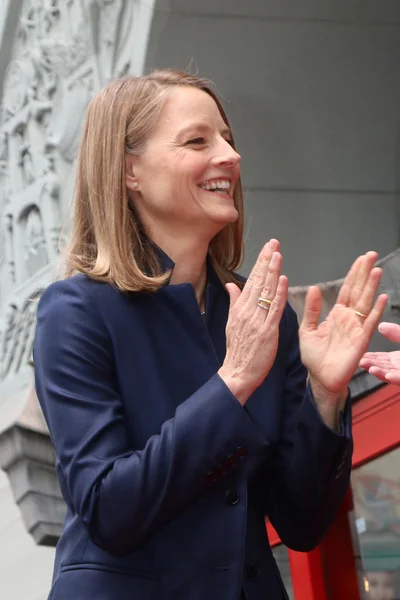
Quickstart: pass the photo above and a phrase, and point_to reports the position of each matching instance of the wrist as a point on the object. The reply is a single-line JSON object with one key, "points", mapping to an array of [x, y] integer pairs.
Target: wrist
{"points": [[329, 404], [327, 397], [238, 388]]}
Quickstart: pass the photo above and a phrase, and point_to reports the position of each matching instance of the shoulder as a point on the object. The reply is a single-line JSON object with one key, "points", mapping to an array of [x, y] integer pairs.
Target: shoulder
{"points": [[71, 326], [75, 298], [78, 286]]}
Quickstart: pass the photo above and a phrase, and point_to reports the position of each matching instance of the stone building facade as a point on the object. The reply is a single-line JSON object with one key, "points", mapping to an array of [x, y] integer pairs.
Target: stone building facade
{"points": [[54, 55], [314, 93]]}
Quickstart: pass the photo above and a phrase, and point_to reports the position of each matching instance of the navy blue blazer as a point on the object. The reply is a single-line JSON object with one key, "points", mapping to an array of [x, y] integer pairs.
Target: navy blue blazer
{"points": [[167, 479]]}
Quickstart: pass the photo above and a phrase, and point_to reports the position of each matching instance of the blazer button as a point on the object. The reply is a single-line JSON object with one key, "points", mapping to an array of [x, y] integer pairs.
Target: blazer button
{"points": [[253, 571], [339, 473], [232, 497], [212, 477], [221, 470], [241, 452], [231, 460]]}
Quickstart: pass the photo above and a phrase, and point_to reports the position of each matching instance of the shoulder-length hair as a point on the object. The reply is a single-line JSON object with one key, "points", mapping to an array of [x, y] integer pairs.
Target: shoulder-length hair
{"points": [[107, 241]]}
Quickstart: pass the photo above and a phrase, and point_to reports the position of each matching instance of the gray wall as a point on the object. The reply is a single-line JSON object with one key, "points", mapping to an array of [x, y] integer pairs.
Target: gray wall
{"points": [[313, 91]]}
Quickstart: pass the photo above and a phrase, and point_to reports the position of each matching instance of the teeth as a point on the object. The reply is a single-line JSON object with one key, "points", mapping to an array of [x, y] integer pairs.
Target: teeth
{"points": [[221, 186]]}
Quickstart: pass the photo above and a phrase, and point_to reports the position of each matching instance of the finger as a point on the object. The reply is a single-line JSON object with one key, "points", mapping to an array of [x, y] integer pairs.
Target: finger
{"points": [[312, 309], [378, 373], [271, 284], [360, 281], [234, 293], [258, 274], [274, 314], [371, 322], [344, 292], [366, 299], [376, 359], [393, 377], [390, 330]]}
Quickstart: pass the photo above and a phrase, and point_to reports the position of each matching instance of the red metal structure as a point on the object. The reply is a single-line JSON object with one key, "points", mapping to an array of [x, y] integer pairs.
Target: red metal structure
{"points": [[329, 572]]}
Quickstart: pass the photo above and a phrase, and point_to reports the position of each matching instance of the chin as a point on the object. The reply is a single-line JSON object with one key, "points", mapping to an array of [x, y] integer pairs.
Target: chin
{"points": [[227, 216], [217, 221]]}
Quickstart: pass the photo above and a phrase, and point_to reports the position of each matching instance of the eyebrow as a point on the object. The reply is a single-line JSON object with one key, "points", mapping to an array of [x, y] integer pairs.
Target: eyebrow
{"points": [[203, 127]]}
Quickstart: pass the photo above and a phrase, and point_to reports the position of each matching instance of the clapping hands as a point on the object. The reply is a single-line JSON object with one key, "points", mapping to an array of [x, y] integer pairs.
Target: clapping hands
{"points": [[330, 350]]}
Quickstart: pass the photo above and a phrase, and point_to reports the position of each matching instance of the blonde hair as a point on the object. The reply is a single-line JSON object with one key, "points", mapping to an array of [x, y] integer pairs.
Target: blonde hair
{"points": [[107, 242]]}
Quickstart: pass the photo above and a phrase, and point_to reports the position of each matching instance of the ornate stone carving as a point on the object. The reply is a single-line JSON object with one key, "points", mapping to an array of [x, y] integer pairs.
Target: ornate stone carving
{"points": [[7, 346], [3, 154], [17, 336], [17, 82], [35, 253], [8, 231], [4, 193], [37, 19], [27, 169]]}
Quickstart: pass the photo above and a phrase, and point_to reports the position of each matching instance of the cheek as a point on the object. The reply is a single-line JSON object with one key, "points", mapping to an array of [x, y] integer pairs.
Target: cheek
{"points": [[189, 167], [170, 184], [197, 166]]}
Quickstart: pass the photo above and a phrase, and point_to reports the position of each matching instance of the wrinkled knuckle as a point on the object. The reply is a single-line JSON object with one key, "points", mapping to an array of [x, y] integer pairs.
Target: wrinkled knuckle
{"points": [[241, 318], [267, 291], [273, 268], [275, 306], [263, 257], [258, 279]]}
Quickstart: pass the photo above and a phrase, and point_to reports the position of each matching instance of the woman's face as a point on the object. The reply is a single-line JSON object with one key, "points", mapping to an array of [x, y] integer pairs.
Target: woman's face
{"points": [[381, 585], [187, 173]]}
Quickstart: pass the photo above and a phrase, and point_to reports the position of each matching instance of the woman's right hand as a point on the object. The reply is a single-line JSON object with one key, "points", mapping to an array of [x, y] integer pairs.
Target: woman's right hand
{"points": [[252, 332]]}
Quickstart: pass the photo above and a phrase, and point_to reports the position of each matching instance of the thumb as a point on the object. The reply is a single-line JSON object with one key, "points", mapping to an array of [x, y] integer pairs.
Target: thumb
{"points": [[390, 330], [312, 309], [234, 293]]}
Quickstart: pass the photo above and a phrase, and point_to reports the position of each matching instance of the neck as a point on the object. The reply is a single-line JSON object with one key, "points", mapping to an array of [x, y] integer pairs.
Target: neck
{"points": [[190, 258]]}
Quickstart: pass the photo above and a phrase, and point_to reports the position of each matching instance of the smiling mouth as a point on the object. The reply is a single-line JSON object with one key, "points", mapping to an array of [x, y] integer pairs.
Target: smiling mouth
{"points": [[220, 186]]}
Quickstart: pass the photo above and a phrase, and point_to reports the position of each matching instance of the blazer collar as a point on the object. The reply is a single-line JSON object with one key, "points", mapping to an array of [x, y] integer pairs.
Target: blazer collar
{"points": [[167, 264]]}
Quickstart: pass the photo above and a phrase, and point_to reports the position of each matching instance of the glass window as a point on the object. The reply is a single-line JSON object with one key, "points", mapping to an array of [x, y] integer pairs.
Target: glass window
{"points": [[282, 560], [376, 490]]}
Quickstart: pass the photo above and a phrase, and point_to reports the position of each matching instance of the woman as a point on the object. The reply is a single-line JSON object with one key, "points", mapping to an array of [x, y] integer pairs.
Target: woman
{"points": [[174, 441]]}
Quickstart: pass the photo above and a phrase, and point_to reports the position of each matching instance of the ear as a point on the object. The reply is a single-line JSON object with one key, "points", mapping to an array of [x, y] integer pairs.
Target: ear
{"points": [[131, 180]]}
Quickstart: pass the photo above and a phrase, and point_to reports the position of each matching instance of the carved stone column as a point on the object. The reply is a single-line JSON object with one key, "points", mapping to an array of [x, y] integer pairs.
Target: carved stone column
{"points": [[9, 245], [51, 212], [27, 456]]}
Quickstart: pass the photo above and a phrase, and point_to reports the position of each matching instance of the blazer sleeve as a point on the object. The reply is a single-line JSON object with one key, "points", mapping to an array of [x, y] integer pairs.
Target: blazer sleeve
{"points": [[311, 469], [123, 494]]}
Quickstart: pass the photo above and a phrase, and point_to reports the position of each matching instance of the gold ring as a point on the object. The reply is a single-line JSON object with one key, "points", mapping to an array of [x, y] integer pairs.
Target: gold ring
{"points": [[264, 303], [360, 314], [263, 306]]}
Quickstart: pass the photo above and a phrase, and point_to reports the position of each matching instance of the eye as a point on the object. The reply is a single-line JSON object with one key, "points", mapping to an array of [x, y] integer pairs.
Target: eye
{"points": [[230, 141], [196, 141]]}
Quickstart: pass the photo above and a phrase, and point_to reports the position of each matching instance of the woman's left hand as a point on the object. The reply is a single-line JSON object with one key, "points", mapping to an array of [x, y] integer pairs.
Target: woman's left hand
{"points": [[332, 349]]}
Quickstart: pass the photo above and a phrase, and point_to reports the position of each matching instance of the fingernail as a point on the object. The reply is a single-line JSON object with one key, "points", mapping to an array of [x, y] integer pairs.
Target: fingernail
{"points": [[275, 258], [273, 243]]}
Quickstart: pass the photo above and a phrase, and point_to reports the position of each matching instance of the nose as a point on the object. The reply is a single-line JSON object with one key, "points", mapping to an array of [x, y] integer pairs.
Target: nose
{"points": [[226, 155]]}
